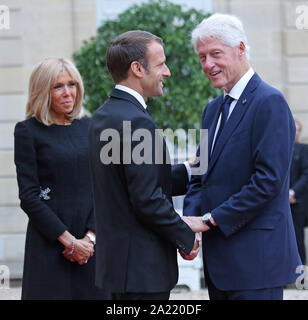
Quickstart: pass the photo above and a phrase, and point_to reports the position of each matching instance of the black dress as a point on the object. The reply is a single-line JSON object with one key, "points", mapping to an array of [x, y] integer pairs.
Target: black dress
{"points": [[55, 192]]}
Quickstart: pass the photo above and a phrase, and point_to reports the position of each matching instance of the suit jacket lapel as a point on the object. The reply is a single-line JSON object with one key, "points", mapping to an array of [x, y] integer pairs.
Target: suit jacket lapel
{"points": [[212, 129], [236, 116]]}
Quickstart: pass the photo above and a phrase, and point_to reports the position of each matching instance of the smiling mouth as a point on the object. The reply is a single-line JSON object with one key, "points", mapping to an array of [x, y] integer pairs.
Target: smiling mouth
{"points": [[213, 74]]}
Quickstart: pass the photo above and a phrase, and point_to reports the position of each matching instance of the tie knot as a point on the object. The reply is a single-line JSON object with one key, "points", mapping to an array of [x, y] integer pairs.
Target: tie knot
{"points": [[228, 99]]}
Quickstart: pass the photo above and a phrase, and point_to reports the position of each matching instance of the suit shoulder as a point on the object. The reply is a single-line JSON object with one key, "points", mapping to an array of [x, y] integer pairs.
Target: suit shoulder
{"points": [[114, 112], [269, 91], [269, 99], [302, 146], [215, 100], [212, 105]]}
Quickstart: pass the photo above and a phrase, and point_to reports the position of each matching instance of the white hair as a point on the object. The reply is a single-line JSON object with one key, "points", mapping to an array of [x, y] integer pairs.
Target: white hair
{"points": [[226, 28]]}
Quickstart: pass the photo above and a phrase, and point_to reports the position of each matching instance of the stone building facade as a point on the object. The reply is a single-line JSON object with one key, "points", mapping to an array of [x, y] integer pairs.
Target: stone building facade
{"points": [[276, 30]]}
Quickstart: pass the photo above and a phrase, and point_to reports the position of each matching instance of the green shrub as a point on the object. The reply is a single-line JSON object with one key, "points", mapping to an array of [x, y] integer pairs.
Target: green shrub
{"points": [[186, 92]]}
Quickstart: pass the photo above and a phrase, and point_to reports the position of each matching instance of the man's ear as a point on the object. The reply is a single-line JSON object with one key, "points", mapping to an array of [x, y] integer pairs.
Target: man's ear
{"points": [[242, 48], [137, 69]]}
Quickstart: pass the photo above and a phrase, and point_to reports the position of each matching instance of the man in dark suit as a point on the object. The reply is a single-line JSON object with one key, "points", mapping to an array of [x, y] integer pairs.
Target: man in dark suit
{"points": [[137, 229], [298, 192], [249, 248]]}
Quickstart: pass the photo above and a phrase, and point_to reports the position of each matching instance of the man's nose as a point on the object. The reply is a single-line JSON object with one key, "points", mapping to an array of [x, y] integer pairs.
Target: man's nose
{"points": [[208, 64], [167, 72]]}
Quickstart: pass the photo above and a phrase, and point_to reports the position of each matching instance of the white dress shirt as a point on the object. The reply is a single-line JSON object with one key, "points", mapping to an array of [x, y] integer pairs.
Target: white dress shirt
{"points": [[235, 93], [133, 92]]}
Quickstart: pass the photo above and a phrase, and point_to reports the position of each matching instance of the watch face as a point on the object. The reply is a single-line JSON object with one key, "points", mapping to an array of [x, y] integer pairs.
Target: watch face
{"points": [[206, 217]]}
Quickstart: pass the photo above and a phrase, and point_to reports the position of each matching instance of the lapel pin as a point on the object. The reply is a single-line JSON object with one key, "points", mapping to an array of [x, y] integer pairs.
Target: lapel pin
{"points": [[244, 101]]}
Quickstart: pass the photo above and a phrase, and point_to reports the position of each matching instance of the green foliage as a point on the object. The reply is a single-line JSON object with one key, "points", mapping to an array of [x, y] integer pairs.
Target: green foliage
{"points": [[186, 92]]}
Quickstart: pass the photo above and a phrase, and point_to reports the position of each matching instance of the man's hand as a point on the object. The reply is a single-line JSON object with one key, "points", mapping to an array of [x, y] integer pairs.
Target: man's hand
{"points": [[292, 199], [192, 161], [196, 224], [195, 250]]}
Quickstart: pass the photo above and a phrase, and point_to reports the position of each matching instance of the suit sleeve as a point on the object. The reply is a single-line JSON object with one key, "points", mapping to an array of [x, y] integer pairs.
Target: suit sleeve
{"points": [[192, 200], [179, 176], [301, 185], [91, 221], [41, 215], [151, 204], [272, 138]]}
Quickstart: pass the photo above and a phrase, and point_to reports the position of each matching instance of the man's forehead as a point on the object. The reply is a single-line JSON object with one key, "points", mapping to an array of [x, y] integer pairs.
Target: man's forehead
{"points": [[210, 43], [155, 49]]}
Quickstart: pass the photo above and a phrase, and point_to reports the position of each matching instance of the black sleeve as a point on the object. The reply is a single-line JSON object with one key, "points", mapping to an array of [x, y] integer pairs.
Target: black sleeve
{"points": [[41, 215], [151, 204], [179, 177]]}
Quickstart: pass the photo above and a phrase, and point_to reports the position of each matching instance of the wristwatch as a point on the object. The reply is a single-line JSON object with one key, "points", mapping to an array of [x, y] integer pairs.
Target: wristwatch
{"points": [[92, 237], [206, 220]]}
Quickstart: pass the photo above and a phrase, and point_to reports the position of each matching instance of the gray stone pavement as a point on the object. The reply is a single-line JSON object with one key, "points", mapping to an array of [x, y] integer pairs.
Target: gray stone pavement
{"points": [[177, 294]]}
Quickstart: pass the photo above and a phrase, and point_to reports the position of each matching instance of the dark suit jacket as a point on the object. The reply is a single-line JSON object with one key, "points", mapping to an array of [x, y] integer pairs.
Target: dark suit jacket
{"points": [[246, 188], [138, 230], [299, 175]]}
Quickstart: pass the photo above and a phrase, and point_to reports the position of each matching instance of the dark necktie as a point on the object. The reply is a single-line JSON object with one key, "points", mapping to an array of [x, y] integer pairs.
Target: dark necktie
{"points": [[224, 110]]}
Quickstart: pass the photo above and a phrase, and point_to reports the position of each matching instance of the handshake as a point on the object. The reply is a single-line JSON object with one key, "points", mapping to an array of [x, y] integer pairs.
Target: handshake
{"points": [[197, 225]]}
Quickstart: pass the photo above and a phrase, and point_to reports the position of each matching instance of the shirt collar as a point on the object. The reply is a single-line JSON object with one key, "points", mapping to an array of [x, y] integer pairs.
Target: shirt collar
{"points": [[133, 92], [239, 87]]}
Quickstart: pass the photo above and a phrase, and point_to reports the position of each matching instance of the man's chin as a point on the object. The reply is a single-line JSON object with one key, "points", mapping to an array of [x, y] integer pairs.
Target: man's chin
{"points": [[158, 94]]}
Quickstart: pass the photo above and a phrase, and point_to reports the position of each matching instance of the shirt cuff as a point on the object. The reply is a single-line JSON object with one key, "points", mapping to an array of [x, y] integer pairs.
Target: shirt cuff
{"points": [[186, 163]]}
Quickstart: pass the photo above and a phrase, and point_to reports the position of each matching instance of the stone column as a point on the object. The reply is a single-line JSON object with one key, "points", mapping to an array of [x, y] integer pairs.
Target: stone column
{"points": [[295, 51]]}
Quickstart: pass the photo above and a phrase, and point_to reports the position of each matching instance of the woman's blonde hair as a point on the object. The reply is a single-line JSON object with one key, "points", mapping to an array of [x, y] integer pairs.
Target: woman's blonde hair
{"points": [[42, 79]]}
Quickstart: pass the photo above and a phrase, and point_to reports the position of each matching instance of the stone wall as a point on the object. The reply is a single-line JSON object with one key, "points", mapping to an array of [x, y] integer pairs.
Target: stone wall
{"points": [[279, 51]]}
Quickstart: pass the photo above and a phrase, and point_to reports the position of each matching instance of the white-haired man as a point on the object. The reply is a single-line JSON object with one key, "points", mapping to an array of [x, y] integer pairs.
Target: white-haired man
{"points": [[249, 248]]}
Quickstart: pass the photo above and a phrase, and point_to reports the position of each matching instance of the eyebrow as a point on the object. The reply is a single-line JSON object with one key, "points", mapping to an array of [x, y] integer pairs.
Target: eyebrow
{"points": [[57, 83]]}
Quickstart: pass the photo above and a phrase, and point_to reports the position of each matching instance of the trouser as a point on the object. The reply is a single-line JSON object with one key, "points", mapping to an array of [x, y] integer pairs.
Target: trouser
{"points": [[255, 294]]}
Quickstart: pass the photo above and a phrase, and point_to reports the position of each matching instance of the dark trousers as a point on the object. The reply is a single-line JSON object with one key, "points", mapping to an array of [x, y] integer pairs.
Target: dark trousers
{"points": [[299, 217], [256, 294], [141, 296]]}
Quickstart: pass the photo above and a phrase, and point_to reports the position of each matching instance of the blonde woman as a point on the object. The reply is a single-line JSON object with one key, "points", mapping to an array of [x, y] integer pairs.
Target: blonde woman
{"points": [[51, 158]]}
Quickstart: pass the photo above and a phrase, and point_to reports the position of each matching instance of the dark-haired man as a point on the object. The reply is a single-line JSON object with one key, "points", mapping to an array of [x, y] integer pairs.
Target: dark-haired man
{"points": [[138, 230]]}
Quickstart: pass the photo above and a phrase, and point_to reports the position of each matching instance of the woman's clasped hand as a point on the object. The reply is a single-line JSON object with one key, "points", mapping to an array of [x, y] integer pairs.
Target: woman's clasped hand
{"points": [[83, 250]]}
